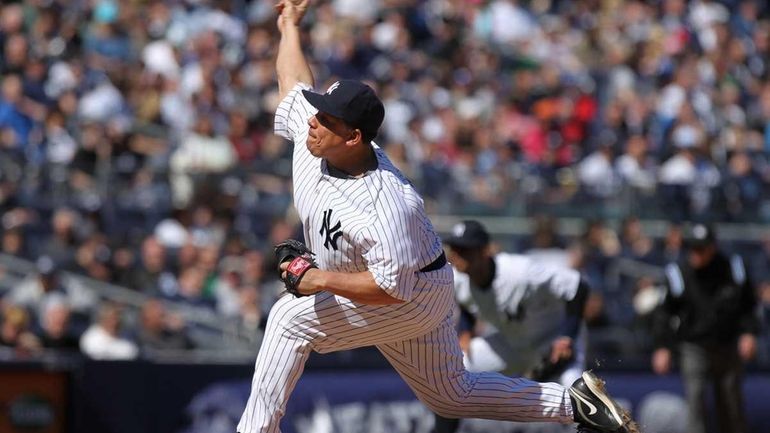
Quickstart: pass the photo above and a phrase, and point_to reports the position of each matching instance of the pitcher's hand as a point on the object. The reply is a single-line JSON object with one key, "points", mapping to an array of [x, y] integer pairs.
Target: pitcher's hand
{"points": [[747, 347], [661, 361], [561, 349], [291, 12]]}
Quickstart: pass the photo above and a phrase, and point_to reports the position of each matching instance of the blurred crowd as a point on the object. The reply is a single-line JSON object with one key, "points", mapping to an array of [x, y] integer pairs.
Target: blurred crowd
{"points": [[136, 145]]}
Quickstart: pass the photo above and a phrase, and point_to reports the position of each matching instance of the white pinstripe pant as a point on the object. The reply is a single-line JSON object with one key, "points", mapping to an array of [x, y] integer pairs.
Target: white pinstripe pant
{"points": [[419, 341]]}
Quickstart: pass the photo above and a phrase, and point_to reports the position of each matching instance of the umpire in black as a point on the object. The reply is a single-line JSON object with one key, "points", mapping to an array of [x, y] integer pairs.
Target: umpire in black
{"points": [[708, 313]]}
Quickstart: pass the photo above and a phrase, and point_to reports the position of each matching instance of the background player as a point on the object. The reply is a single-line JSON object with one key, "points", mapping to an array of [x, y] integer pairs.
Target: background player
{"points": [[382, 278], [535, 311], [710, 299]]}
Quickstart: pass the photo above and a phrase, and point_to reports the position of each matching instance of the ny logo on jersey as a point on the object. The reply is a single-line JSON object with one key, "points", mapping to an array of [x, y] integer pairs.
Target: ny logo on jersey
{"points": [[332, 233], [332, 88]]}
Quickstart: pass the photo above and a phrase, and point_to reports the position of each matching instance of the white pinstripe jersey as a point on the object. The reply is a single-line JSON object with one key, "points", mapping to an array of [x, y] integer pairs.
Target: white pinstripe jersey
{"points": [[526, 299], [376, 222]]}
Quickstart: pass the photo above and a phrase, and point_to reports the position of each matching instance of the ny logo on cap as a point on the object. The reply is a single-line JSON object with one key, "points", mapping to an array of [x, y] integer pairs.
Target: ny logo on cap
{"points": [[332, 88], [458, 230]]}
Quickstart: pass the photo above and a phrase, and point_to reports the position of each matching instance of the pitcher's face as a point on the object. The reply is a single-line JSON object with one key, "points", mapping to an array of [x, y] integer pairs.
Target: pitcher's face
{"points": [[701, 257], [327, 135]]}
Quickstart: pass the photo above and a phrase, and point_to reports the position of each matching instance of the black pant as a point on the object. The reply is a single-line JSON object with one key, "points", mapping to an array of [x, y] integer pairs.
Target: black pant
{"points": [[445, 425], [718, 365]]}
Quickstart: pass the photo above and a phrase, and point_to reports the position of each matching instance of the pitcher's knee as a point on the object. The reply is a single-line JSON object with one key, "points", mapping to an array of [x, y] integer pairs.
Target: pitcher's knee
{"points": [[444, 412], [444, 407]]}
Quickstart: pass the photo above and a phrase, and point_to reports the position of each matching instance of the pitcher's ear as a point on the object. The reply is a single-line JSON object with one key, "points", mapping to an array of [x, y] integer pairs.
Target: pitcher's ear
{"points": [[355, 137]]}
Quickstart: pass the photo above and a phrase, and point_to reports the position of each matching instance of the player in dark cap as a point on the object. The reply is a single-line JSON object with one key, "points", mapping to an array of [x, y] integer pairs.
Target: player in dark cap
{"points": [[708, 315], [532, 312]]}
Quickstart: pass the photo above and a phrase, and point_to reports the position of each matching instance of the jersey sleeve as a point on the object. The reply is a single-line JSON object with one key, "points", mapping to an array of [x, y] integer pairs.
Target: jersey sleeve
{"points": [[662, 328], [463, 291], [750, 316], [391, 258], [292, 114], [562, 282]]}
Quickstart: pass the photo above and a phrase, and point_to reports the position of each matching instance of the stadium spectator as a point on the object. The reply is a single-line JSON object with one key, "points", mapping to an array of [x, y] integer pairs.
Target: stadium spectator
{"points": [[192, 288], [13, 242], [48, 281], [143, 125], [596, 172], [671, 248], [151, 274], [601, 246], [678, 173], [61, 244], [544, 235], [635, 166], [634, 243], [202, 151], [160, 330], [252, 315], [103, 340], [742, 187], [93, 258], [15, 332], [56, 331]]}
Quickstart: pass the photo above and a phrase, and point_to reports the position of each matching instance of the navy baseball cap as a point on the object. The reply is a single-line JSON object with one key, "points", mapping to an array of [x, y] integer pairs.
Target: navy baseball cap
{"points": [[700, 236], [352, 101], [46, 265], [468, 234]]}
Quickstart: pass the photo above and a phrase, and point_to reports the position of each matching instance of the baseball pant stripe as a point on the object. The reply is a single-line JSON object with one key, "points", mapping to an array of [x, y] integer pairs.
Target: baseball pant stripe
{"points": [[484, 395], [425, 354]]}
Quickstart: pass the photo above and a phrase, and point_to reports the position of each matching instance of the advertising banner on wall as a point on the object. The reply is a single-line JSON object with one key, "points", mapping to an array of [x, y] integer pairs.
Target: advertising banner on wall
{"points": [[379, 401], [131, 397], [33, 401]]}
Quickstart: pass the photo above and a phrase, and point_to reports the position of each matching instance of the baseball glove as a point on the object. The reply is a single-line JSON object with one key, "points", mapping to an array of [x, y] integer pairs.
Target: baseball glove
{"points": [[545, 370], [301, 259]]}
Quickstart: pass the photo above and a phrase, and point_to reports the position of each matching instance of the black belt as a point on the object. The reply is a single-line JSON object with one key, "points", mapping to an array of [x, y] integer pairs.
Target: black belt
{"points": [[436, 264]]}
